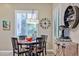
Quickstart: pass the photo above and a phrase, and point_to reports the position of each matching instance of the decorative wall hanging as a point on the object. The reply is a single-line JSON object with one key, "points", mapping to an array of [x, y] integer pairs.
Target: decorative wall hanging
{"points": [[65, 35], [5, 24], [45, 23], [71, 17]]}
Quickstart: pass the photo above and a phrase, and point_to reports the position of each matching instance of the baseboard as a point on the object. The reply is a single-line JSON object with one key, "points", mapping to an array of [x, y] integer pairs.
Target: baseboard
{"points": [[5, 52], [51, 51], [48, 50]]}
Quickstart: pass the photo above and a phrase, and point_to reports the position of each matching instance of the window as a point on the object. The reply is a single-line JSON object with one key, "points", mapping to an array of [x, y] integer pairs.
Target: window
{"points": [[56, 22], [26, 22]]}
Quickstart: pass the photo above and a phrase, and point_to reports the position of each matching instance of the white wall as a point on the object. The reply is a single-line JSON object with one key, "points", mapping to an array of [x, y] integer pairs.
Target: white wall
{"points": [[74, 33], [8, 11]]}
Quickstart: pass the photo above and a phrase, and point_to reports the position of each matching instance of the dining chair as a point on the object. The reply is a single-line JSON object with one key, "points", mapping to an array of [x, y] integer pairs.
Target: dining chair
{"points": [[16, 47], [22, 37], [39, 47], [45, 41]]}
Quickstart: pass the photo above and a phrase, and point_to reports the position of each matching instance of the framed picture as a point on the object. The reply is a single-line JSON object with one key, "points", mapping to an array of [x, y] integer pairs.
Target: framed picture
{"points": [[6, 24]]}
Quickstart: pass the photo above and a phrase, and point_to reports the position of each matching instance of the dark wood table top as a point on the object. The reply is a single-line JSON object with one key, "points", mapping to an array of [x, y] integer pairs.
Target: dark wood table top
{"points": [[23, 42]]}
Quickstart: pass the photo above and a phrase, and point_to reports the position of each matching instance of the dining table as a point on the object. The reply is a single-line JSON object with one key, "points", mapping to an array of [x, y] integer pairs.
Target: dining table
{"points": [[28, 43], [24, 42]]}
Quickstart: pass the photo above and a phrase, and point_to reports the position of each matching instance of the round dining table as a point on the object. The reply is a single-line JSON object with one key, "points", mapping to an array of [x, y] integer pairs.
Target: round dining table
{"points": [[28, 43], [23, 42]]}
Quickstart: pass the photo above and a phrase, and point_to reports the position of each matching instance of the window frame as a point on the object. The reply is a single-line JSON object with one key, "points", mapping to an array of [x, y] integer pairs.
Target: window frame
{"points": [[55, 17], [25, 11]]}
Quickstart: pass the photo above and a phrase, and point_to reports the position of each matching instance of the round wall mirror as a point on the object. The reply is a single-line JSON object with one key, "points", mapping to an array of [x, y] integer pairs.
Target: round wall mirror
{"points": [[71, 17]]}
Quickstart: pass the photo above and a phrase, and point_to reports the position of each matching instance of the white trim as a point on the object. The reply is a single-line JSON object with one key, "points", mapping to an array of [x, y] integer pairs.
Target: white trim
{"points": [[25, 11], [11, 50], [5, 51], [9, 53], [51, 50]]}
